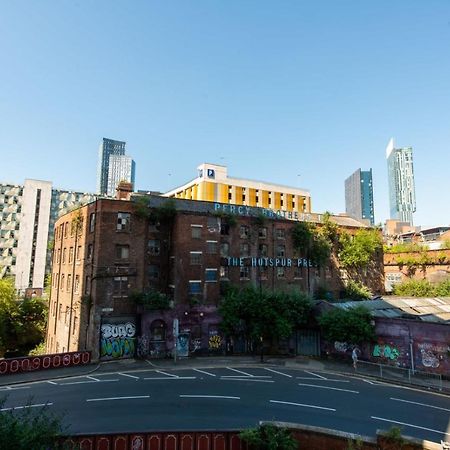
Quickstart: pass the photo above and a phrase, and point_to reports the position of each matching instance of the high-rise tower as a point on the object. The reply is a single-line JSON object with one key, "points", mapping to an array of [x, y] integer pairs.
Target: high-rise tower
{"points": [[359, 195], [402, 196]]}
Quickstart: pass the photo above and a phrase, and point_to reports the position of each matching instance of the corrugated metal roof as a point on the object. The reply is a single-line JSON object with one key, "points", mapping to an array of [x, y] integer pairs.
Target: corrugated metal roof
{"points": [[426, 309]]}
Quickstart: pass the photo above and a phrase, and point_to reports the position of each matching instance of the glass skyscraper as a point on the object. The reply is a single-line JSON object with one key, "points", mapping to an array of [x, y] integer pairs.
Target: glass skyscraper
{"points": [[402, 195], [359, 195]]}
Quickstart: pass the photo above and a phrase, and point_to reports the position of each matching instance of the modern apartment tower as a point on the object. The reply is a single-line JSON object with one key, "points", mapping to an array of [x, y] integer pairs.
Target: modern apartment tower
{"points": [[359, 195], [402, 196], [113, 166]]}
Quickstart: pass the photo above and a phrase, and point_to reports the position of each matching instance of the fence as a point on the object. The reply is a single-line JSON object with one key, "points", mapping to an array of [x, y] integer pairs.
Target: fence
{"points": [[403, 375], [32, 363]]}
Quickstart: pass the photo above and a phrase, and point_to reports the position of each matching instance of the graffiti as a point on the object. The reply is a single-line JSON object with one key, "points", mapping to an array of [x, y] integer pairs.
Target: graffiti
{"points": [[431, 354], [385, 351], [118, 331], [183, 344], [196, 344], [215, 342], [142, 346], [42, 362], [117, 347], [158, 350], [341, 347], [137, 443]]}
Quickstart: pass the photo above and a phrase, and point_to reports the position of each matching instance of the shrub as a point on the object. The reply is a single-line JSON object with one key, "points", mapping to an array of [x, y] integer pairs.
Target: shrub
{"points": [[269, 437], [356, 291], [414, 288]]}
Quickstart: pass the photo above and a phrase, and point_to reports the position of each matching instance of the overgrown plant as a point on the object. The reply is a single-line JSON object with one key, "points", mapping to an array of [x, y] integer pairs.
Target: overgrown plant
{"points": [[269, 437], [356, 291], [394, 437], [151, 300]]}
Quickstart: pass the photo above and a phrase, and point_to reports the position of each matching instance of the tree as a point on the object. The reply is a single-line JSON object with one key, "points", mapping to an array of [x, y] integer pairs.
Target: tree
{"points": [[8, 313], [31, 428], [269, 437], [352, 326], [359, 250]]}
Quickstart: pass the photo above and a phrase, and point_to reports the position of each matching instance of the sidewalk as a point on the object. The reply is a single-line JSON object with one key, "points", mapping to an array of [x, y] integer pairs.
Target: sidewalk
{"points": [[127, 365]]}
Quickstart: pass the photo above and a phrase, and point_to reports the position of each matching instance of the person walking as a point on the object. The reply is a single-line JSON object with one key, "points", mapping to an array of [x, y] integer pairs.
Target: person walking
{"points": [[355, 352]]}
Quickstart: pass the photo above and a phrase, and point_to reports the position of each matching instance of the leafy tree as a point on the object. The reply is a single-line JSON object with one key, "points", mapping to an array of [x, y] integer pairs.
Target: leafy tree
{"points": [[359, 250], [31, 428], [352, 326], [422, 288], [269, 437], [356, 291]]}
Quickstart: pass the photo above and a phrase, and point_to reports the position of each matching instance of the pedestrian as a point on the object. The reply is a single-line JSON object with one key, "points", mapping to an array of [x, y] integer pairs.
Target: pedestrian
{"points": [[355, 356]]}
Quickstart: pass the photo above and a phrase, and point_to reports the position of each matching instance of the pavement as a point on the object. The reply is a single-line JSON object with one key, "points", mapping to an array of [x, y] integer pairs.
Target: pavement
{"points": [[129, 365]]}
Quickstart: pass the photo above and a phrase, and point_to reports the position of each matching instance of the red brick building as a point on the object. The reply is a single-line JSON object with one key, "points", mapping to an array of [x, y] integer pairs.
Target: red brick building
{"points": [[107, 253]]}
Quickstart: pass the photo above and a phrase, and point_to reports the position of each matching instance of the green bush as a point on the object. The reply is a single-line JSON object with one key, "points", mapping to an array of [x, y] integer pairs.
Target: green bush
{"points": [[356, 291], [269, 437], [414, 288]]}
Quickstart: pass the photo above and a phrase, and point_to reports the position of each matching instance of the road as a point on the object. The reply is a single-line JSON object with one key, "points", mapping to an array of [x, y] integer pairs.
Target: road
{"points": [[223, 398]]}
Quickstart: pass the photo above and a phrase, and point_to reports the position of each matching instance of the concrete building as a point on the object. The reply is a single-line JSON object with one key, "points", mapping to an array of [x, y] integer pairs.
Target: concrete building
{"points": [[214, 185], [113, 166], [402, 195], [186, 251], [359, 196], [27, 216]]}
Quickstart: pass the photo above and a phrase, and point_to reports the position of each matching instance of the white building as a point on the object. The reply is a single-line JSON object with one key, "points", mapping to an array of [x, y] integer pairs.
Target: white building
{"points": [[121, 168]]}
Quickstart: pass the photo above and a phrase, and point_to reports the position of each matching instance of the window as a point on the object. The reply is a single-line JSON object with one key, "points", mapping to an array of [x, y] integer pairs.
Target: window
{"points": [[224, 249], [328, 272], [92, 222], [77, 284], [154, 227], [89, 252], [279, 233], [75, 324], [211, 247], [262, 233], [196, 231], [78, 252], [153, 271], [244, 250], [224, 272], [195, 287], [263, 273], [66, 228], [244, 273], [280, 272], [70, 255], [211, 275], [123, 221], [120, 285], [64, 255], [224, 228], [87, 284], [262, 250], [281, 251], [62, 282], [154, 246], [196, 258], [213, 224], [122, 251], [244, 232], [69, 281]]}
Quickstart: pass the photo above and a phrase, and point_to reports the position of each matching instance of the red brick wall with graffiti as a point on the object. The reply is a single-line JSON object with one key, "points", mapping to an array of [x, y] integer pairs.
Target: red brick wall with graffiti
{"points": [[28, 364]]}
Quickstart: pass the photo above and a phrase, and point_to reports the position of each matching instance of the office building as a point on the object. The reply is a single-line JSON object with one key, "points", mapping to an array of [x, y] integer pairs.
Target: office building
{"points": [[402, 196], [213, 185], [359, 196], [27, 216], [113, 166]]}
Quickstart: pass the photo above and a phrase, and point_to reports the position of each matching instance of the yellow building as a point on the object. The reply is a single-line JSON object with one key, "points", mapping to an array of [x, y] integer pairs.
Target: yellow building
{"points": [[213, 185]]}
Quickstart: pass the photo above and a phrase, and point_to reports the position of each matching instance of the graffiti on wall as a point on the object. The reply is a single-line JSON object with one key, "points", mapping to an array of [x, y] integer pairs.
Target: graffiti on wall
{"points": [[118, 340], [431, 355], [215, 342], [142, 346], [183, 344], [386, 351], [341, 347]]}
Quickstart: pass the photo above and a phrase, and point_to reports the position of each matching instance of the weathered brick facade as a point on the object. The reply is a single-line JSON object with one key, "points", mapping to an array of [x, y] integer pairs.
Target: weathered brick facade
{"points": [[189, 256]]}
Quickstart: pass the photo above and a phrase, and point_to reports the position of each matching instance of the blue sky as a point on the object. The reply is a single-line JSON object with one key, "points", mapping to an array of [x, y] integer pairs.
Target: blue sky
{"points": [[293, 92]]}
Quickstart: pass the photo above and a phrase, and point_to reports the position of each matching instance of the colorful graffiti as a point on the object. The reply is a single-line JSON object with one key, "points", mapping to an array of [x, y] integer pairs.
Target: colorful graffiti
{"points": [[431, 355], [341, 347], [386, 351], [118, 340], [215, 342], [183, 344]]}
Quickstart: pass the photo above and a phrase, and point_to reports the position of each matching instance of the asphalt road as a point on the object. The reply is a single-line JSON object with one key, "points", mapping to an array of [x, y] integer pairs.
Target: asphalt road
{"points": [[233, 398]]}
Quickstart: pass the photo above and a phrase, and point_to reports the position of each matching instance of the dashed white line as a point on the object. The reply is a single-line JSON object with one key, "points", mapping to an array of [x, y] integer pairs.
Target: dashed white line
{"points": [[128, 375], [87, 382], [12, 388], [51, 382], [302, 404], [420, 404], [167, 374], [170, 378], [92, 378], [27, 406], [244, 376], [205, 372], [211, 396], [131, 397], [326, 379], [409, 425], [247, 379], [315, 375], [240, 371], [328, 387], [279, 373]]}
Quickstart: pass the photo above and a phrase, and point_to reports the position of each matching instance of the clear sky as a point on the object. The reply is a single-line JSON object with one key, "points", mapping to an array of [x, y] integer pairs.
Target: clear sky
{"points": [[293, 92]]}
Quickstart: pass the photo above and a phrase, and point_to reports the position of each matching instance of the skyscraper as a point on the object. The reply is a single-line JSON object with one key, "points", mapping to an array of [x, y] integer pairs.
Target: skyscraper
{"points": [[359, 195], [121, 168], [402, 196], [107, 148]]}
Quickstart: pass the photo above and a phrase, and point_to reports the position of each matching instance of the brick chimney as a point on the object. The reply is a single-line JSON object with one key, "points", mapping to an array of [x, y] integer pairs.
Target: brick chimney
{"points": [[124, 190]]}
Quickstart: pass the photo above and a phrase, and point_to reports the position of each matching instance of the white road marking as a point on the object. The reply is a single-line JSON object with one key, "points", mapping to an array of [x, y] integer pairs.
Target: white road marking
{"points": [[210, 396], [247, 379], [315, 375], [279, 373], [243, 376], [27, 406], [240, 371], [128, 375], [328, 387], [326, 379], [86, 382], [410, 425], [168, 374], [421, 404], [205, 372], [170, 378], [131, 397], [12, 388], [302, 404], [52, 382], [92, 378]]}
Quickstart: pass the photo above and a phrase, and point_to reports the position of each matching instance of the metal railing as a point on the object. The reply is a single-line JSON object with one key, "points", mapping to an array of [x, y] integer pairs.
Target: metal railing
{"points": [[403, 375]]}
